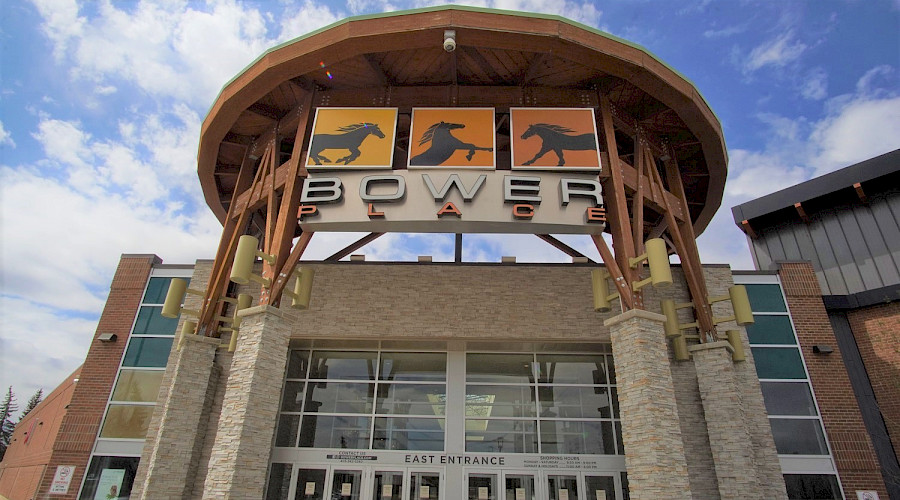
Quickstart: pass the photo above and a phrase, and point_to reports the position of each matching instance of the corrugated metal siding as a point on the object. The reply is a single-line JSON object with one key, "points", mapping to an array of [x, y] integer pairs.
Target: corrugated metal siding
{"points": [[853, 248]]}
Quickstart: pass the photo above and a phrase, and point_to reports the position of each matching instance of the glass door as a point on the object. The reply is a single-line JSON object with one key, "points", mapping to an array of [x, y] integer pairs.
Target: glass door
{"points": [[387, 485], [562, 487], [518, 486], [346, 484], [424, 485], [482, 487], [310, 484], [600, 487]]}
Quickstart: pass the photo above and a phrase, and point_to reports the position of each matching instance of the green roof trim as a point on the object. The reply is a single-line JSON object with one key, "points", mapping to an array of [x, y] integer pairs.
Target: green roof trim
{"points": [[485, 10]]}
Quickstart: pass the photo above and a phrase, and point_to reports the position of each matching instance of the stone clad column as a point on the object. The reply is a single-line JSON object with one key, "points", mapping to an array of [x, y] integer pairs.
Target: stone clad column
{"points": [[729, 439], [243, 443], [170, 456], [654, 451]]}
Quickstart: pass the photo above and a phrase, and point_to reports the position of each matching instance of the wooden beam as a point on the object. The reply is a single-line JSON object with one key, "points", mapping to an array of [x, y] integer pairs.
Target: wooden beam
{"points": [[356, 245], [264, 111], [616, 205], [748, 229], [860, 193], [801, 212], [290, 263], [379, 72], [621, 283], [532, 68], [559, 245]]}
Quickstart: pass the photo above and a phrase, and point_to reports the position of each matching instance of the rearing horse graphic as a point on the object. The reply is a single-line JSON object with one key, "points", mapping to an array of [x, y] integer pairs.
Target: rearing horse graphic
{"points": [[351, 138], [555, 139], [443, 145]]}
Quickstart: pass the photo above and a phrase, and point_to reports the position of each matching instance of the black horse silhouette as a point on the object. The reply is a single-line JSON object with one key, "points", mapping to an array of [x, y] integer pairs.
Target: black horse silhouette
{"points": [[555, 139], [443, 145], [351, 138]]}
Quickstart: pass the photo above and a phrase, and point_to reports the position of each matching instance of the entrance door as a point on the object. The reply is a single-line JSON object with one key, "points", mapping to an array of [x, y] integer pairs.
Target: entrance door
{"points": [[599, 487]]}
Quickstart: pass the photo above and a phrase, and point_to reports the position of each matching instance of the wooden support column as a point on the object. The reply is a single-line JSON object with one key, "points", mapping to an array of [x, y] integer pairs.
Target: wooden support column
{"points": [[616, 207]]}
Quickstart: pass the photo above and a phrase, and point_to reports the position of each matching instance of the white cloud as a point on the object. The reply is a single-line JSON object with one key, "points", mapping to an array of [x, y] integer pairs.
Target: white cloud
{"points": [[861, 128], [778, 52], [6, 137], [726, 31], [815, 85]]}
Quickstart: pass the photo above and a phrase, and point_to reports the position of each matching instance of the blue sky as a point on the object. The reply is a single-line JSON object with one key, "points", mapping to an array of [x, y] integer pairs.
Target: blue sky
{"points": [[101, 104]]}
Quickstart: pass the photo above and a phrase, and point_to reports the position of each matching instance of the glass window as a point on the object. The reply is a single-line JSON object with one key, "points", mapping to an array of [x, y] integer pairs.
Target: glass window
{"points": [[343, 365], [577, 437], [766, 298], [127, 421], [778, 362], [339, 397], [575, 402], [412, 399], [292, 400], [812, 486], [798, 436], [150, 321], [321, 431], [500, 401], [501, 436], [771, 330], [399, 433], [298, 363], [502, 368], [571, 369], [413, 366], [279, 482], [157, 289], [286, 434], [148, 352], [115, 475], [138, 385], [788, 398]]}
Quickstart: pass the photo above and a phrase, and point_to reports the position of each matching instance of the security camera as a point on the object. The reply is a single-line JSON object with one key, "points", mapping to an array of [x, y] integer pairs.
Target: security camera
{"points": [[450, 40]]}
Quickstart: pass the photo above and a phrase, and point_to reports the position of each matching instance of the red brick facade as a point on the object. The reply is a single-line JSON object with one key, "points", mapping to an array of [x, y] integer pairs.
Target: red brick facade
{"points": [[877, 333], [82, 421], [850, 442]]}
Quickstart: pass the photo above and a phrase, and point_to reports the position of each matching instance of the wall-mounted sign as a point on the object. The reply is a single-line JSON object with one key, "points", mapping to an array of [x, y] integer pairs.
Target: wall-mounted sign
{"points": [[554, 139], [452, 138], [61, 479], [352, 138]]}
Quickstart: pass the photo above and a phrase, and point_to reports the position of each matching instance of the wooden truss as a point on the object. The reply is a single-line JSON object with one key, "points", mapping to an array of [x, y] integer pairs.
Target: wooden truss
{"points": [[267, 194]]}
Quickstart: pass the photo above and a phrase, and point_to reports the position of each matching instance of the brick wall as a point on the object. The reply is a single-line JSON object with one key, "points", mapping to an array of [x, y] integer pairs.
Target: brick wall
{"points": [[854, 455], [82, 421], [877, 333]]}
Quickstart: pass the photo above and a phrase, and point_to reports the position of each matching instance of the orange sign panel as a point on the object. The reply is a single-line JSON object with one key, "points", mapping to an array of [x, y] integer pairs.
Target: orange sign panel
{"points": [[554, 139], [352, 138], [452, 137]]}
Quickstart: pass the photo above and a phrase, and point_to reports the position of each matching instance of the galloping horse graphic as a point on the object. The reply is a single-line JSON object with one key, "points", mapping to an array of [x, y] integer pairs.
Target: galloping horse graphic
{"points": [[555, 139], [351, 138], [443, 145]]}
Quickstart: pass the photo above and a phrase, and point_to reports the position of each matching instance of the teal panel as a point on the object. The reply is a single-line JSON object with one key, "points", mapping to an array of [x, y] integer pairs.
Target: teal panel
{"points": [[771, 330], [766, 298], [148, 352], [778, 362], [151, 322]]}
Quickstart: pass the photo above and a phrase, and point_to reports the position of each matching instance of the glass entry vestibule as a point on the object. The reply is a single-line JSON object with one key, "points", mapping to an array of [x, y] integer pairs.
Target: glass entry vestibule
{"points": [[370, 422]]}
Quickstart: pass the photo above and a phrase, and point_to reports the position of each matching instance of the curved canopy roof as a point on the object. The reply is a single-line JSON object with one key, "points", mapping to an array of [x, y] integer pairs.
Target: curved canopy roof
{"points": [[503, 59]]}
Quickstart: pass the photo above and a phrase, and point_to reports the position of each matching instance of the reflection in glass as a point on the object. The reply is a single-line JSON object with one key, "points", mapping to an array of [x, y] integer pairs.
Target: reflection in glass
{"points": [[519, 487], [788, 398], [765, 298], [346, 484], [501, 436], [817, 486], [398, 433], [574, 402], [411, 399], [424, 486], [562, 487], [148, 352], [298, 362], [343, 365], [339, 397], [279, 482], [423, 366], [310, 484], [571, 369], [92, 479], [577, 437], [293, 396], [286, 433], [600, 488], [127, 421], [320, 431], [388, 486], [798, 436], [156, 290], [771, 330], [778, 362], [150, 321], [504, 368], [500, 401], [482, 487], [138, 385]]}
